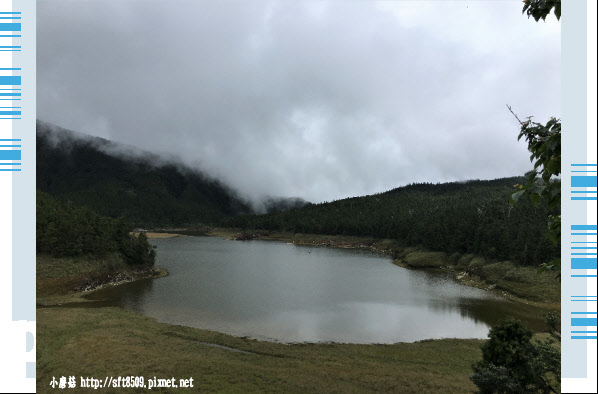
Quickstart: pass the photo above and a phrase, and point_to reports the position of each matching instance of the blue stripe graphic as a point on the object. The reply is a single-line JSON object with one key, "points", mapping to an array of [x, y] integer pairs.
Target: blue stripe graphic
{"points": [[583, 321], [10, 155], [584, 227], [10, 27], [10, 80], [19, 113], [583, 181]]}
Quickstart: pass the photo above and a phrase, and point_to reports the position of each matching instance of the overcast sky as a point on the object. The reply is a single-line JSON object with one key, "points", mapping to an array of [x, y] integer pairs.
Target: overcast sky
{"points": [[315, 99]]}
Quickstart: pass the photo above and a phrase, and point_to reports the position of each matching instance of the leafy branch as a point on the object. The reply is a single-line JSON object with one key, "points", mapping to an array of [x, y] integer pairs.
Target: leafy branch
{"points": [[543, 182], [539, 9]]}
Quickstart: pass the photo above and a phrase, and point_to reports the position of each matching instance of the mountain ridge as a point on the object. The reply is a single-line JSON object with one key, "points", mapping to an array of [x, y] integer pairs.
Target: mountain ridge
{"points": [[147, 189]]}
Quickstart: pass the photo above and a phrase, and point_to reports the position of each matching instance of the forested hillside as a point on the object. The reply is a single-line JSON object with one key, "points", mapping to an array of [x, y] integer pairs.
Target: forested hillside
{"points": [[87, 171], [63, 230], [465, 217], [148, 191]]}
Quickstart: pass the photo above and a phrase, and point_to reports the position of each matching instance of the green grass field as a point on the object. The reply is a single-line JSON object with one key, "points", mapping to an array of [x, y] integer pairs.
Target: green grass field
{"points": [[100, 342]]}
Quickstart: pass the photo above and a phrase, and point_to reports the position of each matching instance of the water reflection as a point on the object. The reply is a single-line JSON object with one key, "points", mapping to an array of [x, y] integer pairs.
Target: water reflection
{"points": [[283, 292], [490, 312]]}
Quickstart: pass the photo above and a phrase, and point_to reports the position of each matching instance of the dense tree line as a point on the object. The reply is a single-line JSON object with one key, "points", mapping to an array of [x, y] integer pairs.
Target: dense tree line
{"points": [[465, 217], [64, 230], [470, 217]]}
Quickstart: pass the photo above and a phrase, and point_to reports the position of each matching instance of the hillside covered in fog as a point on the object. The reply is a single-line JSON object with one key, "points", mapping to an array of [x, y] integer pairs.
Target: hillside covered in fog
{"points": [[149, 191]]}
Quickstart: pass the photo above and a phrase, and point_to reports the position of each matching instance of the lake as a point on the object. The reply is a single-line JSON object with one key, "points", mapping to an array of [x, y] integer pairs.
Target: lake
{"points": [[288, 293]]}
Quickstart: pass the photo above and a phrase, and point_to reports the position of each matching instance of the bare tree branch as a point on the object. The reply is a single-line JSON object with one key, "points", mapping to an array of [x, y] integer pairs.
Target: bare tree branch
{"points": [[516, 117]]}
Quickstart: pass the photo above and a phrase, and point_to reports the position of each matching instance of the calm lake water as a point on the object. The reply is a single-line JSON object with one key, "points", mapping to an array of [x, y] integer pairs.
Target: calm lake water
{"points": [[288, 293]]}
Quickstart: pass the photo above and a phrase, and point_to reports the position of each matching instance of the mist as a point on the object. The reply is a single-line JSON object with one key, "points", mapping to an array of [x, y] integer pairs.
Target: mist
{"points": [[314, 99]]}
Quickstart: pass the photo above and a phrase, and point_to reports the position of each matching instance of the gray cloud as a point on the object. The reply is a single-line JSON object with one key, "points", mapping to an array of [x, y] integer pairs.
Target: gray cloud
{"points": [[315, 99]]}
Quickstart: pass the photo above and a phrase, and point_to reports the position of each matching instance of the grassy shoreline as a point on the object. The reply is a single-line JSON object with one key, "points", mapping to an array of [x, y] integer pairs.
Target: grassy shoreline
{"points": [[108, 341], [114, 342], [102, 341]]}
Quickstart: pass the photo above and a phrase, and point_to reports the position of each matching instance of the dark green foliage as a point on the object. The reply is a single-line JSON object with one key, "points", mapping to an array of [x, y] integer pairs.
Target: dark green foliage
{"points": [[506, 344], [494, 379], [540, 9], [513, 363], [465, 217], [554, 325], [138, 250], [79, 169], [544, 143], [64, 230], [274, 205]]}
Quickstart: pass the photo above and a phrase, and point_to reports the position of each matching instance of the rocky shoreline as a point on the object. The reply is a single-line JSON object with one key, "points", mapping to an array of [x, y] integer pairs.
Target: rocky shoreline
{"points": [[121, 277]]}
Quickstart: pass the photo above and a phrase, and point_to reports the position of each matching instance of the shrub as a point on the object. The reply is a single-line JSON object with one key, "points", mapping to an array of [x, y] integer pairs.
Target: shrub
{"points": [[476, 266], [465, 260], [454, 258], [425, 259], [138, 251], [512, 363], [63, 230]]}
